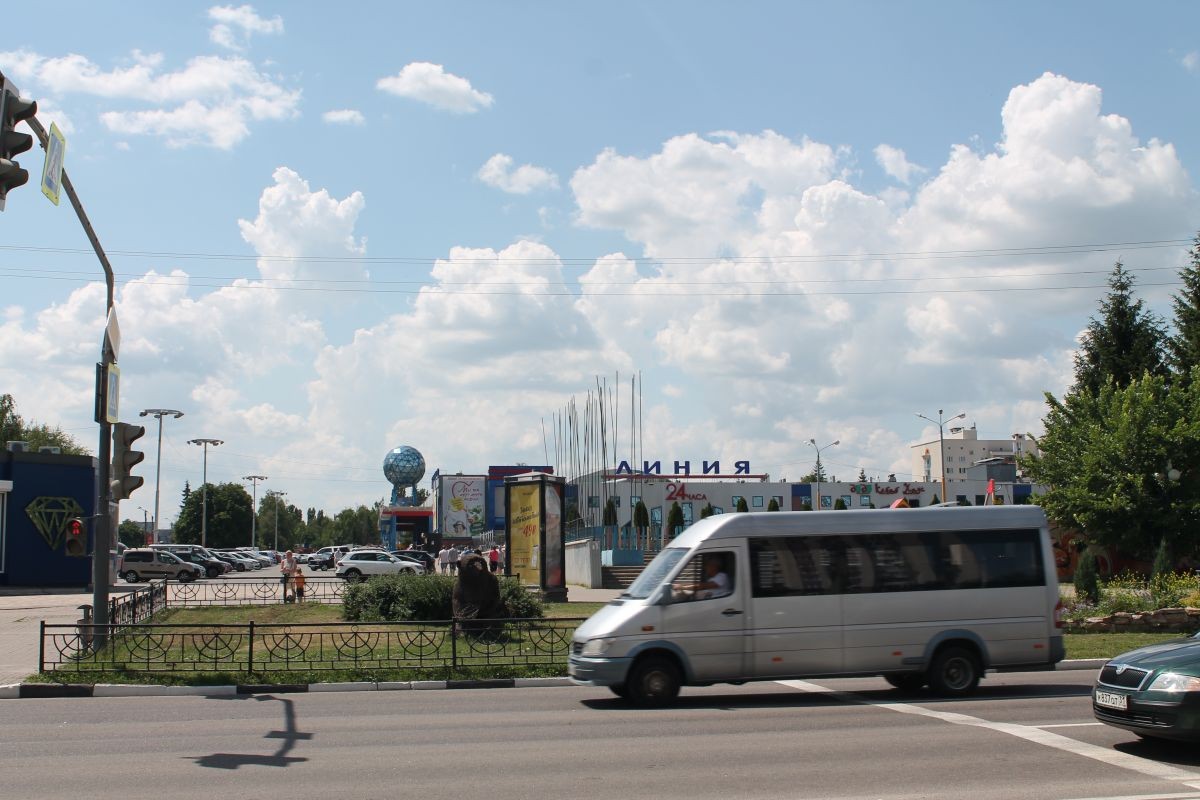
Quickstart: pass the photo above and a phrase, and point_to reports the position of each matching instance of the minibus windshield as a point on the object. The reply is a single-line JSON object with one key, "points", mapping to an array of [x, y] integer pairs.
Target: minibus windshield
{"points": [[655, 572]]}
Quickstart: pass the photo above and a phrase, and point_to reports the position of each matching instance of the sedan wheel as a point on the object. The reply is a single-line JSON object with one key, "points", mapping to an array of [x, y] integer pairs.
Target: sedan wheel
{"points": [[130, 576]]}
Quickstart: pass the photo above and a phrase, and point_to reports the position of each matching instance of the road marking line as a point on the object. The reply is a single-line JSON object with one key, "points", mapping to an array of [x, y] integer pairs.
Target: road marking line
{"points": [[1164, 796], [1036, 735]]}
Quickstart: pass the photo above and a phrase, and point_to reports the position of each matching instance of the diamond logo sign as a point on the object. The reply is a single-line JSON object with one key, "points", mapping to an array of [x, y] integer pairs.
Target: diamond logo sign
{"points": [[50, 516]]}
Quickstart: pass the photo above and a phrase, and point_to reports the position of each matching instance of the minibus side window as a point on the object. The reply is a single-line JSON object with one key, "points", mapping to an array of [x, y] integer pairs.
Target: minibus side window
{"points": [[793, 565], [707, 576]]}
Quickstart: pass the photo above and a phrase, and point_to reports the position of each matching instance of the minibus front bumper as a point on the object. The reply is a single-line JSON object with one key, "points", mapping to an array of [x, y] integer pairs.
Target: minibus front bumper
{"points": [[597, 671]]}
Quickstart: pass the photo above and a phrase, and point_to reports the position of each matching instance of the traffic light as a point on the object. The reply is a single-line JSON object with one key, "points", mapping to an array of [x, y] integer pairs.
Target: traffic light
{"points": [[12, 110], [76, 538], [124, 459]]}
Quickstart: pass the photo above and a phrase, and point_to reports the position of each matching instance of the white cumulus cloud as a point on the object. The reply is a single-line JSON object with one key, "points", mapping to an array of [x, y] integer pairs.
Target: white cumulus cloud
{"points": [[235, 25], [499, 173], [344, 116], [896, 164], [431, 84], [1191, 61], [212, 100]]}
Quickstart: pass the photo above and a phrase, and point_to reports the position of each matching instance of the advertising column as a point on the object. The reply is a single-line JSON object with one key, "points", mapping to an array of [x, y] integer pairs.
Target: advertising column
{"points": [[535, 533]]}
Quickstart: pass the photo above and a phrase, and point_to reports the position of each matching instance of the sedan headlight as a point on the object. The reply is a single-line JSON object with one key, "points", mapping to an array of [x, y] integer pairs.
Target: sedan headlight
{"points": [[594, 647], [1170, 682]]}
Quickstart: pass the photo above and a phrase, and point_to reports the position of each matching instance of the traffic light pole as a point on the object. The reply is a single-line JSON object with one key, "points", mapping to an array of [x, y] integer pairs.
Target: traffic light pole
{"points": [[102, 527]]}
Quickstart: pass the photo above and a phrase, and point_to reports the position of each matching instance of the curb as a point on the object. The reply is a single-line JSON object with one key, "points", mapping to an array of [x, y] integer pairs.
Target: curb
{"points": [[45, 690], [1081, 663]]}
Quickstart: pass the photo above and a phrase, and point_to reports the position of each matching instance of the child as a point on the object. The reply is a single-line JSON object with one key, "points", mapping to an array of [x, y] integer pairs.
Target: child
{"points": [[299, 578]]}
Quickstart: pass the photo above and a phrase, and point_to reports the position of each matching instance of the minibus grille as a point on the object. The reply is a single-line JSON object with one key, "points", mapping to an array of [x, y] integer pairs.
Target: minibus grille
{"points": [[576, 648]]}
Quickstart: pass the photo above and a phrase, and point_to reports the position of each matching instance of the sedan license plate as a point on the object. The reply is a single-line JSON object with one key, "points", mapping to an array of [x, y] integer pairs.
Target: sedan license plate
{"points": [[1113, 700]]}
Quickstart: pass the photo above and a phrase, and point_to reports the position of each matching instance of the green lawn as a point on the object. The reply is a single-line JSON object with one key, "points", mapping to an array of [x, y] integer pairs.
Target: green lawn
{"points": [[1107, 645]]}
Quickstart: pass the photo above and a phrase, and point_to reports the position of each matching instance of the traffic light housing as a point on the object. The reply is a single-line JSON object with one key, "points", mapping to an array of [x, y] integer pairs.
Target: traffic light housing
{"points": [[12, 143], [76, 538], [125, 458]]}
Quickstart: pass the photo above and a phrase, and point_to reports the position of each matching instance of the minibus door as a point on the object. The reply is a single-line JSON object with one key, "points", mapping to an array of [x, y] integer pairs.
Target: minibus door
{"points": [[705, 614]]}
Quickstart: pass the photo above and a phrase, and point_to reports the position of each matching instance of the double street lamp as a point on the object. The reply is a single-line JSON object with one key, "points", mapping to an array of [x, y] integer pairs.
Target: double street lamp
{"points": [[813, 442], [942, 442], [254, 479], [159, 413], [204, 487]]}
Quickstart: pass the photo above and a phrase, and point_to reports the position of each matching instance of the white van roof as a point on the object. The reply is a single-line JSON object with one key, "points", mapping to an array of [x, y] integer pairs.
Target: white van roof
{"points": [[768, 523]]}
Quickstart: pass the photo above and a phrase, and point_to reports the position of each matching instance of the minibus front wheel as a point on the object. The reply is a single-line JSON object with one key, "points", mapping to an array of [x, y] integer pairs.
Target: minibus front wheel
{"points": [[653, 681], [954, 671]]}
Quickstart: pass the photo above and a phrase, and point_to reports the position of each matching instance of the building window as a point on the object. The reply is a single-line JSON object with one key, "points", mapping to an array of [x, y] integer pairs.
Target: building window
{"points": [[864, 500], [633, 501], [757, 501], [733, 501]]}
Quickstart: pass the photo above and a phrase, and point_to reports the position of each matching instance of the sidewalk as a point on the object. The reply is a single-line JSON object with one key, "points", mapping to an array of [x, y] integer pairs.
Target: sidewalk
{"points": [[20, 618]]}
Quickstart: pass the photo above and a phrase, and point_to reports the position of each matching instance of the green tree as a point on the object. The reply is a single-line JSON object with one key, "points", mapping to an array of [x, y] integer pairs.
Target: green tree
{"points": [[230, 508], [13, 428], [1162, 560], [839, 505], [674, 520], [741, 506], [1107, 460], [131, 534], [1123, 343], [773, 505], [641, 517], [610, 512], [1183, 347], [707, 511], [1087, 577]]}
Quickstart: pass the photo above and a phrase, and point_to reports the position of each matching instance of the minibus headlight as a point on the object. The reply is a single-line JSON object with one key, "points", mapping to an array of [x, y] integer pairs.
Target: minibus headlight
{"points": [[1170, 682], [594, 647]]}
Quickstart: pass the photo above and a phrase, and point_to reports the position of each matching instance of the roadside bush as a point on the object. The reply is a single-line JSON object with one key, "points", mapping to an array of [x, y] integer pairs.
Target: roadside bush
{"points": [[1168, 589], [1192, 600], [423, 598]]}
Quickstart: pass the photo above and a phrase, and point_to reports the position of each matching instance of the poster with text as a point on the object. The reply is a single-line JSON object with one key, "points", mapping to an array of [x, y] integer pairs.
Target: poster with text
{"points": [[524, 524], [463, 505], [554, 536]]}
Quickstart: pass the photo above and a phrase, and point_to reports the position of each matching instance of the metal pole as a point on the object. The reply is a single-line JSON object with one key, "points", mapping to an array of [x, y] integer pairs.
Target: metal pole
{"points": [[813, 442], [254, 479], [276, 496], [159, 413], [942, 442]]}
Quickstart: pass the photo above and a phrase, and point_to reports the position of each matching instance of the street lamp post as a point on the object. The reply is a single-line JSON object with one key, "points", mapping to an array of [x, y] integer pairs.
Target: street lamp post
{"points": [[277, 495], [813, 442], [254, 479], [942, 442], [204, 487], [159, 413], [146, 525]]}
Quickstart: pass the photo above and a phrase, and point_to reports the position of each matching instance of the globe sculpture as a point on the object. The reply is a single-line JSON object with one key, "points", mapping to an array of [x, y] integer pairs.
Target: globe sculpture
{"points": [[404, 467]]}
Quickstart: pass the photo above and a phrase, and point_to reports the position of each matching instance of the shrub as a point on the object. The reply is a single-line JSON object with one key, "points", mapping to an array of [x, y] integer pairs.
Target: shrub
{"points": [[1168, 589], [1162, 559], [423, 598], [1087, 578], [1191, 601]]}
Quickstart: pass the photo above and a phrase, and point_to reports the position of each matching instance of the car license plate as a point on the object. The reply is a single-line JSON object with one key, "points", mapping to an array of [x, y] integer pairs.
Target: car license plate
{"points": [[1112, 700]]}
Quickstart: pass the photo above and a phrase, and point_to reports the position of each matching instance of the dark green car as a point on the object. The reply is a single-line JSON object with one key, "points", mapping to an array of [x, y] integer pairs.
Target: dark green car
{"points": [[1152, 691]]}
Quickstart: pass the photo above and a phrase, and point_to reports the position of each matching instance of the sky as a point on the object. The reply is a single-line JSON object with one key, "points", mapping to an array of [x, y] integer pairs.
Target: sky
{"points": [[434, 224]]}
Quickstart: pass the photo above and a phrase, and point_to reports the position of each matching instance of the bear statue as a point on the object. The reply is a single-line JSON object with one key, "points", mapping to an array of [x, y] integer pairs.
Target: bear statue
{"points": [[477, 596]]}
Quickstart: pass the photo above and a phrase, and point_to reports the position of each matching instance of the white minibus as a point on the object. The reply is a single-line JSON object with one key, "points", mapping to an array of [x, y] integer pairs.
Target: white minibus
{"points": [[919, 596]]}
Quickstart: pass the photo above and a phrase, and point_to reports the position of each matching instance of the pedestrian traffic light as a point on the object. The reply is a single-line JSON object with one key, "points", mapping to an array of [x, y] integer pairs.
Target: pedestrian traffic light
{"points": [[124, 459], [12, 110], [76, 538]]}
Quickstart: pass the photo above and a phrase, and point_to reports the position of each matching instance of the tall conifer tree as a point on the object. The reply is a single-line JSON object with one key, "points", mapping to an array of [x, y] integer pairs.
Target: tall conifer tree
{"points": [[1184, 345], [1121, 345]]}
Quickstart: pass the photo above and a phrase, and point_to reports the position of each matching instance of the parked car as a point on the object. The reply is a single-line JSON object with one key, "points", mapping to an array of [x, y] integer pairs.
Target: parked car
{"points": [[248, 562], [235, 563], [262, 558], [144, 562], [360, 564], [195, 554], [1152, 691], [327, 557], [426, 560]]}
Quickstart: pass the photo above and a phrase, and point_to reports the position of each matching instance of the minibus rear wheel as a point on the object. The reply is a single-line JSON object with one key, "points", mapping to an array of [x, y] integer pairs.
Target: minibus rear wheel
{"points": [[653, 681], [954, 672]]}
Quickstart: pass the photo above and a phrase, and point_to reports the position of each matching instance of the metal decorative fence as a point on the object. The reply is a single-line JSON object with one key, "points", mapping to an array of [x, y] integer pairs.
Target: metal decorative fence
{"points": [[446, 647], [137, 605], [250, 592]]}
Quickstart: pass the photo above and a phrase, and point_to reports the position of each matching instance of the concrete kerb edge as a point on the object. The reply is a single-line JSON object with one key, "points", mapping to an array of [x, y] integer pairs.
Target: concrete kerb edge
{"points": [[1082, 663]]}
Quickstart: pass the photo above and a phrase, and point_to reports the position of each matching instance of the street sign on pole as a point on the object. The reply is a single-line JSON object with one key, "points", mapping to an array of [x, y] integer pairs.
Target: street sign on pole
{"points": [[56, 151], [113, 394]]}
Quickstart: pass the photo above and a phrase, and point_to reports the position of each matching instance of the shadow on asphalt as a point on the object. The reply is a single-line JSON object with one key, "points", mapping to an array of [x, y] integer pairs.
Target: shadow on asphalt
{"points": [[784, 697], [280, 758], [1184, 754]]}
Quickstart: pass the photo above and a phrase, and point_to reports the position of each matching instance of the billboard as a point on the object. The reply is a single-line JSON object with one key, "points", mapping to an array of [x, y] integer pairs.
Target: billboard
{"points": [[461, 504], [524, 525]]}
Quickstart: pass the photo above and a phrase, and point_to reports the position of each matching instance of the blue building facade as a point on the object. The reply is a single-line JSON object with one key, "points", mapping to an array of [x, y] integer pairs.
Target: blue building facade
{"points": [[39, 494]]}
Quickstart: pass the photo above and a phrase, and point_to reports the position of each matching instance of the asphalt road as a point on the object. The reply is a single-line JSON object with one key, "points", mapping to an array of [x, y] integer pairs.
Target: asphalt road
{"points": [[1023, 736]]}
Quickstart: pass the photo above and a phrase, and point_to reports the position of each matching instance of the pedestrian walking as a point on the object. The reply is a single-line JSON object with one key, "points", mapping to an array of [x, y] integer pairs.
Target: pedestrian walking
{"points": [[443, 558], [453, 558], [299, 581], [494, 559]]}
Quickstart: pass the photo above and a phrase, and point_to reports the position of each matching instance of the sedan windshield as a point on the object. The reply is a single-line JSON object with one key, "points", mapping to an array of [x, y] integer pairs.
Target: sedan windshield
{"points": [[656, 572]]}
